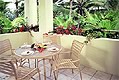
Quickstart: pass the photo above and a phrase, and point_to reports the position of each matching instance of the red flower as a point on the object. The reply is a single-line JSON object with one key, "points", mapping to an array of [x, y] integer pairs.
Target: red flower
{"points": [[40, 49], [73, 27], [79, 31], [67, 31], [21, 29], [16, 30]]}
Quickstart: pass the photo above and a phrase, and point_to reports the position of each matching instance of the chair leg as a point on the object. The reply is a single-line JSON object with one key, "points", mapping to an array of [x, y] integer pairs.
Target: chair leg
{"points": [[29, 63], [55, 74], [36, 62], [51, 69], [80, 75], [20, 62], [39, 74], [72, 71]]}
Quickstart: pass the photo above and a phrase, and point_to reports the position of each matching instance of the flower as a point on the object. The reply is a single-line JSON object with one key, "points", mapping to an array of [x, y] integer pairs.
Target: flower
{"points": [[73, 30], [40, 47]]}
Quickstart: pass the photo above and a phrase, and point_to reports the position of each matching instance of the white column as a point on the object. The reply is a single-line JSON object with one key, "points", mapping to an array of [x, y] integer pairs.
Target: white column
{"points": [[26, 10], [45, 15], [33, 12]]}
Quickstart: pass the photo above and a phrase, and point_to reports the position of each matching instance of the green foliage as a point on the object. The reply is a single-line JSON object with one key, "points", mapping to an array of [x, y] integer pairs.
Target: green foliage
{"points": [[58, 10], [81, 6], [112, 4], [64, 20], [3, 6], [18, 21], [109, 20], [5, 24]]}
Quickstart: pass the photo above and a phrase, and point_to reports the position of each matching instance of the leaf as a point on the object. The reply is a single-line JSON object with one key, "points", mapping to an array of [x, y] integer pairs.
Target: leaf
{"points": [[18, 21], [105, 24]]}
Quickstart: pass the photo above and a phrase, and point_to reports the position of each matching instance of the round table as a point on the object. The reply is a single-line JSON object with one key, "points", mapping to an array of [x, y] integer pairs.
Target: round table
{"points": [[39, 55]]}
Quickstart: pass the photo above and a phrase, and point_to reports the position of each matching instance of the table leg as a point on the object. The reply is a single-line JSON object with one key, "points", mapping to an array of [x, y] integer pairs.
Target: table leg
{"points": [[44, 69], [35, 63]]}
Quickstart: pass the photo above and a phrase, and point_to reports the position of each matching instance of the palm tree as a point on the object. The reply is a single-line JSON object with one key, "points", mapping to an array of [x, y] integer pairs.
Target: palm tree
{"points": [[19, 8], [112, 4], [3, 6], [86, 5]]}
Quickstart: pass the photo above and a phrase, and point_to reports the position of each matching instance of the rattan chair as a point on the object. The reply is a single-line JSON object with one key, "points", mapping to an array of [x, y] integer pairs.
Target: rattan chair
{"points": [[72, 63], [7, 51], [7, 66]]}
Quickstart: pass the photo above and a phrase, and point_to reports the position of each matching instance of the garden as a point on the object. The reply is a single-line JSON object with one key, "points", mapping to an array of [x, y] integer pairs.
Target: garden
{"points": [[90, 18], [13, 21]]}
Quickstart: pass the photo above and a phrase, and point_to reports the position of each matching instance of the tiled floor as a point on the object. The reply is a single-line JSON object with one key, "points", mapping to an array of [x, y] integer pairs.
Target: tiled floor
{"points": [[87, 74]]}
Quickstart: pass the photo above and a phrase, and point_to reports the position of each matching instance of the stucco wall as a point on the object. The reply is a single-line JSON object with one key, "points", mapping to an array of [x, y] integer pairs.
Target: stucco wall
{"points": [[16, 39]]}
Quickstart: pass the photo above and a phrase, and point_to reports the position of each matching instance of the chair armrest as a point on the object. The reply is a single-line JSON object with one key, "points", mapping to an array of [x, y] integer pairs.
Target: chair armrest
{"points": [[13, 51], [76, 60]]}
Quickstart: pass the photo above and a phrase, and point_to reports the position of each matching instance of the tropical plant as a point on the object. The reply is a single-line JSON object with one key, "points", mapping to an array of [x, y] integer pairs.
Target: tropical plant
{"points": [[112, 4], [64, 21], [10, 14], [5, 24], [18, 21], [3, 6], [109, 20], [81, 5], [19, 7], [58, 10]]}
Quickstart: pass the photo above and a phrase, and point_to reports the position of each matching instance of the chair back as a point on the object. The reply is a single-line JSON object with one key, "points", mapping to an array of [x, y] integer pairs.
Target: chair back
{"points": [[52, 38], [76, 49], [5, 46], [7, 67]]}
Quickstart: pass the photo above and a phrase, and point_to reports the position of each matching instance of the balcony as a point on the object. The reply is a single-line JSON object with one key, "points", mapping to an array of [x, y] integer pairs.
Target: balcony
{"points": [[98, 61], [99, 58]]}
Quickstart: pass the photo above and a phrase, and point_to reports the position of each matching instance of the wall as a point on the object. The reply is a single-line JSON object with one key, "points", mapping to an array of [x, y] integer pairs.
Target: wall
{"points": [[16, 39]]}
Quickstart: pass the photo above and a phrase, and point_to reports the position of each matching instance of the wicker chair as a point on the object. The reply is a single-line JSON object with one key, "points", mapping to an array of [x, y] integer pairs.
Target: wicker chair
{"points": [[52, 38], [7, 66], [72, 63], [7, 51]]}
